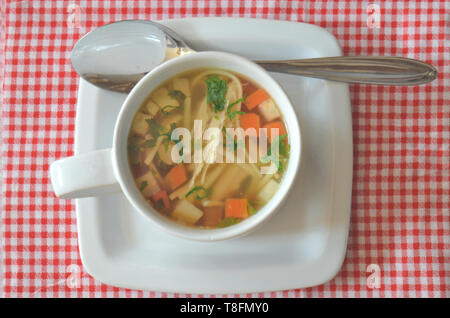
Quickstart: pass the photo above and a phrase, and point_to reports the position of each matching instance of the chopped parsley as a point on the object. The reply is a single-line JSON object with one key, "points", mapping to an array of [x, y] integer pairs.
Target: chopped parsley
{"points": [[207, 193], [283, 151], [166, 109], [168, 134], [143, 185], [232, 114], [232, 144], [251, 209], [159, 205], [156, 130], [228, 222], [256, 202], [216, 91], [178, 95]]}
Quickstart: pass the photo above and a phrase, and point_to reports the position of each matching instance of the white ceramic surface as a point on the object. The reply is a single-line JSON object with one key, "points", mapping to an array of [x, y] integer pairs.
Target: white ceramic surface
{"points": [[303, 245]]}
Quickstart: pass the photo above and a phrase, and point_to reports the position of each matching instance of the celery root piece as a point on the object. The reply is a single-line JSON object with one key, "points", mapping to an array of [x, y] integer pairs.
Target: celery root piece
{"points": [[229, 182]]}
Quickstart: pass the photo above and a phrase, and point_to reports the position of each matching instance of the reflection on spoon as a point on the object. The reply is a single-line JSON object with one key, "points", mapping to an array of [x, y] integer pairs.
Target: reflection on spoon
{"points": [[119, 48]]}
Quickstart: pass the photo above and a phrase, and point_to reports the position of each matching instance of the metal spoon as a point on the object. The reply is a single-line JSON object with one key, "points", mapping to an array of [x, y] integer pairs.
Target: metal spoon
{"points": [[117, 55]]}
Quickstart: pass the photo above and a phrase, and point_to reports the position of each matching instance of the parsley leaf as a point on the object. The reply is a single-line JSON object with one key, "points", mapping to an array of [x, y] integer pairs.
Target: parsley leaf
{"points": [[168, 134], [156, 130], [232, 114], [284, 148], [155, 127], [178, 95], [283, 151], [144, 184], [251, 209], [206, 191], [256, 202], [216, 92], [165, 110], [230, 142], [228, 222], [159, 205]]}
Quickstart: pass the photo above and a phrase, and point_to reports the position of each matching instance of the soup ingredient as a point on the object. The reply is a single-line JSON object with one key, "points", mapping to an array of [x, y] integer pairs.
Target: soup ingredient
{"points": [[267, 192], [237, 208], [275, 125], [149, 154], [212, 203], [216, 92], [229, 182], [167, 109], [186, 212], [169, 123], [180, 193], [151, 108], [156, 174], [178, 95], [202, 193], [148, 184], [139, 125], [212, 216], [228, 222], [162, 196], [164, 128], [283, 151], [269, 110], [165, 154], [213, 175], [251, 120], [162, 98], [236, 112], [256, 98], [182, 85], [248, 87], [251, 209], [176, 177], [143, 185]]}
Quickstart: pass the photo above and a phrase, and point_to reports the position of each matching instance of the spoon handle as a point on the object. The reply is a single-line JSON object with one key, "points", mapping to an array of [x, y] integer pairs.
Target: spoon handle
{"points": [[381, 70]]}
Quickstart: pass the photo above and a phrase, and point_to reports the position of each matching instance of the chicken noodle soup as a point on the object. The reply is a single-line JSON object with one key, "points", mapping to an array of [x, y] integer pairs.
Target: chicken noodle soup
{"points": [[197, 187]]}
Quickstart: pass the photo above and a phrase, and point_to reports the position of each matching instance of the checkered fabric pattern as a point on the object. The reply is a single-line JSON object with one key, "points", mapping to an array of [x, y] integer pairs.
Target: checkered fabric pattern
{"points": [[400, 207]]}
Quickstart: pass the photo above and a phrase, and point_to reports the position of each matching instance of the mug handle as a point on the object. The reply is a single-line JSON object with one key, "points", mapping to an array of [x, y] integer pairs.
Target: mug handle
{"points": [[85, 175]]}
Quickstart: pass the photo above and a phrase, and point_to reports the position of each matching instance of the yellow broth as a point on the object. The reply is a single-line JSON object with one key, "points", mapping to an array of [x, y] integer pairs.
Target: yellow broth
{"points": [[202, 194]]}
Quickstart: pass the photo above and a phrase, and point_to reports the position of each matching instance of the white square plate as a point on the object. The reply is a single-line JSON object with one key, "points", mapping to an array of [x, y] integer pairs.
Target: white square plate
{"points": [[303, 245]]}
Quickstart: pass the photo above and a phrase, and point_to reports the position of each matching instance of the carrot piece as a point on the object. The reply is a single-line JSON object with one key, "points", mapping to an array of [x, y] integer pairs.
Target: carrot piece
{"points": [[277, 125], [212, 216], [251, 120], [162, 195], [256, 98], [237, 208], [176, 177]]}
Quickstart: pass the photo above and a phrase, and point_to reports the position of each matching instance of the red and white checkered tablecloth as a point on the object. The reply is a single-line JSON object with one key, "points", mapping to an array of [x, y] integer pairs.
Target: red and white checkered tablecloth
{"points": [[401, 186]]}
